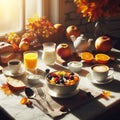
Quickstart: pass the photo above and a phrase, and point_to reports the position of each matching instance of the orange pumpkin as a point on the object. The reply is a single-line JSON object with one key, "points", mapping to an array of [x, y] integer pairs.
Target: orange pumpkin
{"points": [[102, 58], [72, 30], [103, 44], [87, 57]]}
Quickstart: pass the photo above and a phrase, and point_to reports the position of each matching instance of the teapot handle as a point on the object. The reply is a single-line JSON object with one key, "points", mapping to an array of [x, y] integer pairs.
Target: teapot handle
{"points": [[90, 40]]}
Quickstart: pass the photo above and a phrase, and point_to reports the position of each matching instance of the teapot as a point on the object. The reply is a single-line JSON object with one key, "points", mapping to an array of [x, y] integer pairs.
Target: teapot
{"points": [[81, 43]]}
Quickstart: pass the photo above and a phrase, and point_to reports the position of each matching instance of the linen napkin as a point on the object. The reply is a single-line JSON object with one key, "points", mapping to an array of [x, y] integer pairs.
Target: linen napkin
{"points": [[56, 107]]}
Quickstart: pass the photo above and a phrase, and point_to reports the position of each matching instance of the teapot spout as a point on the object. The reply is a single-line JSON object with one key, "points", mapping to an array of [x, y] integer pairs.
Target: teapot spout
{"points": [[73, 38]]}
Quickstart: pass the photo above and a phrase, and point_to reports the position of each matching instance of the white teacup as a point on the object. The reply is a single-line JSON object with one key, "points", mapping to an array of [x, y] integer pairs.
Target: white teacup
{"points": [[14, 66], [101, 72]]}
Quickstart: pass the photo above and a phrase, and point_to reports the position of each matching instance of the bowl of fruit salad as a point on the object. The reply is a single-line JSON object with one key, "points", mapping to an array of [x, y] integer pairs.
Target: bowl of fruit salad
{"points": [[62, 83]]}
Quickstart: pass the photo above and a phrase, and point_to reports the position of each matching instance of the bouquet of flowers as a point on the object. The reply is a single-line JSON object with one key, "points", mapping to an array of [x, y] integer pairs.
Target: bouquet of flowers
{"points": [[96, 9]]}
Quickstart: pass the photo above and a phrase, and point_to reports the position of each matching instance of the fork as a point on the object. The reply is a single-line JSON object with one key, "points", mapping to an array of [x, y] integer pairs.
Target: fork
{"points": [[43, 97]]}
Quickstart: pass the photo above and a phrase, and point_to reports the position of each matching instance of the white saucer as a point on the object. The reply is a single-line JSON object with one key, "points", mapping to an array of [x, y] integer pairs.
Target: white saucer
{"points": [[6, 71], [106, 81], [54, 94]]}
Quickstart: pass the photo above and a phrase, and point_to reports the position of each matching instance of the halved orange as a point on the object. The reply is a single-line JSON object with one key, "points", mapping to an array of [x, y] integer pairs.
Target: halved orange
{"points": [[102, 58], [87, 56]]}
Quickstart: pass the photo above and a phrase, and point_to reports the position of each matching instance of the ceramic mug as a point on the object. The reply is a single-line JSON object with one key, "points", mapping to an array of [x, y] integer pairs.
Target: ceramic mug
{"points": [[14, 66], [101, 72]]}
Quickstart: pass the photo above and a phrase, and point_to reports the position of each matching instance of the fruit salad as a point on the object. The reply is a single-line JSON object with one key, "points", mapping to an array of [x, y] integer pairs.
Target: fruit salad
{"points": [[62, 78]]}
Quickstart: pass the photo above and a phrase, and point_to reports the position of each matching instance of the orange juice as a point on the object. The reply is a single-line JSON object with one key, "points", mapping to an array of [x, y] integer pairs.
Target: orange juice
{"points": [[30, 59]]}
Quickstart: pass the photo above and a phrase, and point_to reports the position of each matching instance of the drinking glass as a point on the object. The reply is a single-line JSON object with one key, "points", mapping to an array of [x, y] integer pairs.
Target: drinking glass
{"points": [[30, 60], [49, 53]]}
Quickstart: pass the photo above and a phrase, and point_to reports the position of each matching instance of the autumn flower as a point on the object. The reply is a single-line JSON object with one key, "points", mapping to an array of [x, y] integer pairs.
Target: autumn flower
{"points": [[96, 9], [41, 26]]}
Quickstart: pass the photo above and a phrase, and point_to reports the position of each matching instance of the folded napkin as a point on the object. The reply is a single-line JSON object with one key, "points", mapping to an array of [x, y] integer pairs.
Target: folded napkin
{"points": [[55, 107]]}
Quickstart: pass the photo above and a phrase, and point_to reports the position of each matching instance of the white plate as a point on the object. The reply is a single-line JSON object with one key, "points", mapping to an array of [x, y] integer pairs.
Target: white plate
{"points": [[6, 71], [54, 94], [106, 81]]}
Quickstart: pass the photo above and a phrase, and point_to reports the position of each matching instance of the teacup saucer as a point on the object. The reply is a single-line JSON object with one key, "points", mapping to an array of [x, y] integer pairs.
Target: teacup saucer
{"points": [[106, 81], [6, 71]]}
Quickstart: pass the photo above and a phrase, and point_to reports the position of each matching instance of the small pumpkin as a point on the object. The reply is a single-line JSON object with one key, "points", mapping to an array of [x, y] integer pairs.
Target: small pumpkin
{"points": [[103, 44], [72, 30]]}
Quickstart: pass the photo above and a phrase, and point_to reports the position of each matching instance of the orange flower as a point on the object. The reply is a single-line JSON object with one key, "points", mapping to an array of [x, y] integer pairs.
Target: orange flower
{"points": [[96, 9], [105, 94]]}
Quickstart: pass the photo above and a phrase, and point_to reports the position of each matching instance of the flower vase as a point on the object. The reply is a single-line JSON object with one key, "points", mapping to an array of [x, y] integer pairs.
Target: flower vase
{"points": [[101, 28]]}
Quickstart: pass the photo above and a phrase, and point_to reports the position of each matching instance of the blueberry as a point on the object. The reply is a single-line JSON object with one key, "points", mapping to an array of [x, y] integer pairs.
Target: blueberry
{"points": [[57, 82], [71, 77], [47, 71], [66, 77], [49, 76], [62, 81]]}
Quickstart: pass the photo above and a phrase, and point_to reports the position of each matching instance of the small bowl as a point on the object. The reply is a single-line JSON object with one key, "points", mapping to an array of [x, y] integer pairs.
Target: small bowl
{"points": [[34, 79], [75, 66]]}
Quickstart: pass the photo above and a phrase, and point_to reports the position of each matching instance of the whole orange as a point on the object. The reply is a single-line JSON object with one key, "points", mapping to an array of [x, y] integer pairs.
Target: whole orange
{"points": [[103, 44]]}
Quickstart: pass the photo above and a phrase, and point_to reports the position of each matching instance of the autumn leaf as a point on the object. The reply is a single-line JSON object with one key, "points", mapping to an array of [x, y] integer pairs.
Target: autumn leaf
{"points": [[6, 89], [105, 94], [24, 100]]}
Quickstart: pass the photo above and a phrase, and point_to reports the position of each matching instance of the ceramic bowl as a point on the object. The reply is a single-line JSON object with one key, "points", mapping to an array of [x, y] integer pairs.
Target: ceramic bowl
{"points": [[75, 66], [62, 88], [33, 79]]}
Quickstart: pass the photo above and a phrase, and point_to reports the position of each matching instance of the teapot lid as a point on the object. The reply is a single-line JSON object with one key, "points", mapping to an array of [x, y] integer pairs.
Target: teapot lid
{"points": [[82, 37]]}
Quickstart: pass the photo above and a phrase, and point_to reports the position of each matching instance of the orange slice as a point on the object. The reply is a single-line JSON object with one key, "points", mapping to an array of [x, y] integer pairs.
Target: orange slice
{"points": [[102, 58], [87, 56]]}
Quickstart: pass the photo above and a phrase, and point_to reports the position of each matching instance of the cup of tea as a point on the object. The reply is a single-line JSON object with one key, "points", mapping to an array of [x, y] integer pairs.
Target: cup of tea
{"points": [[14, 66], [101, 72]]}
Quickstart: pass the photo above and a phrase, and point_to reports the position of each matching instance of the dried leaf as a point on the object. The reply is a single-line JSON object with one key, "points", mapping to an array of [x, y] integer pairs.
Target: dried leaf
{"points": [[106, 94], [24, 100], [6, 89]]}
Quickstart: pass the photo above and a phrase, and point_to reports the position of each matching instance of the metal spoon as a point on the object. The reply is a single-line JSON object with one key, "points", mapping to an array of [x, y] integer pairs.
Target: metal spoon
{"points": [[31, 95]]}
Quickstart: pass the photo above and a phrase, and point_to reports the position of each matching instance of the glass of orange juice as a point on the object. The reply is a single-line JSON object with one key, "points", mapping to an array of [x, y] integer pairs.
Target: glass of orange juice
{"points": [[30, 60]]}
